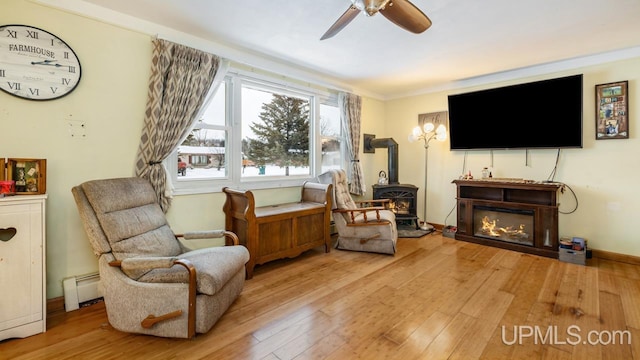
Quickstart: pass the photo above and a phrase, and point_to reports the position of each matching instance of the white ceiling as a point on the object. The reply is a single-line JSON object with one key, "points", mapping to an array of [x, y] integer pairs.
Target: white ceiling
{"points": [[468, 39]]}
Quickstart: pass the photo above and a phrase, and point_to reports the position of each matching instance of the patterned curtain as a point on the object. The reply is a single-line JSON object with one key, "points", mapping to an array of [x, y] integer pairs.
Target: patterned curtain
{"points": [[180, 80], [350, 109]]}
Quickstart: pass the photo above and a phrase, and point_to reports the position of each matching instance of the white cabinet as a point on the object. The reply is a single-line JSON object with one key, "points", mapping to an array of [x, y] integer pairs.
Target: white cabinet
{"points": [[22, 266]]}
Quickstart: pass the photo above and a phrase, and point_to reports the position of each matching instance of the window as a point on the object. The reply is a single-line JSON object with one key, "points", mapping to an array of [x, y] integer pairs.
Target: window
{"points": [[203, 151], [275, 132], [257, 132], [332, 137]]}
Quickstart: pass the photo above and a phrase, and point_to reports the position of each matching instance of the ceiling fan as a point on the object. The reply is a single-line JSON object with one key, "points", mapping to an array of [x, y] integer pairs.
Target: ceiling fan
{"points": [[400, 12]]}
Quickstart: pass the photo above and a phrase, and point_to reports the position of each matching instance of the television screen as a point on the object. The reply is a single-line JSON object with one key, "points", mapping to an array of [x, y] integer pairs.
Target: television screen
{"points": [[541, 114]]}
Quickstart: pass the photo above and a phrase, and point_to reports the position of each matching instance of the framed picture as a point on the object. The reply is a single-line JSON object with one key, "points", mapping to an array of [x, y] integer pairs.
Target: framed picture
{"points": [[30, 175], [436, 118], [612, 111]]}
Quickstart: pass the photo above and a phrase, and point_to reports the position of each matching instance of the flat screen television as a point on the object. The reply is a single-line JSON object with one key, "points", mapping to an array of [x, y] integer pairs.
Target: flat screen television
{"points": [[543, 114]]}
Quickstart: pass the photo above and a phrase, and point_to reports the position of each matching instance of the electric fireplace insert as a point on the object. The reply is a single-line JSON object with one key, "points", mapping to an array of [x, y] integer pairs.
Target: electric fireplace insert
{"points": [[517, 215]]}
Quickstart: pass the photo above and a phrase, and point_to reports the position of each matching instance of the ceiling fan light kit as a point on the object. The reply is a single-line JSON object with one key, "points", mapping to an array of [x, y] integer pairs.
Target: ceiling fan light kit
{"points": [[400, 12]]}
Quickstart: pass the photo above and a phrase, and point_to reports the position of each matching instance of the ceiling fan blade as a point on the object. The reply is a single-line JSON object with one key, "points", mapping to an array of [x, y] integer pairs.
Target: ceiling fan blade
{"points": [[406, 15], [342, 21]]}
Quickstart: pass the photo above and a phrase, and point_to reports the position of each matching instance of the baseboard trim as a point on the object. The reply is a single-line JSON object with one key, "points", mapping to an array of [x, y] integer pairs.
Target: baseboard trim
{"points": [[600, 254], [55, 305], [623, 258]]}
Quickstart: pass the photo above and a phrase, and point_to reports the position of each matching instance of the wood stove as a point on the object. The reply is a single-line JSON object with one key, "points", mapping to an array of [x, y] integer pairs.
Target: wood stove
{"points": [[403, 201], [403, 196], [516, 215]]}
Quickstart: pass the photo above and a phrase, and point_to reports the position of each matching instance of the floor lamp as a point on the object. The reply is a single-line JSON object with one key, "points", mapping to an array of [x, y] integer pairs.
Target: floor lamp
{"points": [[427, 133]]}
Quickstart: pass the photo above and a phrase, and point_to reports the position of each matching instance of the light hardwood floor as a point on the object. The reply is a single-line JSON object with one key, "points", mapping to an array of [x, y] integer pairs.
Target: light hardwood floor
{"points": [[437, 298]]}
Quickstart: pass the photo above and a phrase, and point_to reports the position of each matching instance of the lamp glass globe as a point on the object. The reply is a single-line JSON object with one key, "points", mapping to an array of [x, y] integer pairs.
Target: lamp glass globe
{"points": [[428, 127]]}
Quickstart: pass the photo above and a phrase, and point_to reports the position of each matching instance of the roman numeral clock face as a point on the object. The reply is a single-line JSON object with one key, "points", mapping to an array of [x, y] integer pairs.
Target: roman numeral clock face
{"points": [[35, 64]]}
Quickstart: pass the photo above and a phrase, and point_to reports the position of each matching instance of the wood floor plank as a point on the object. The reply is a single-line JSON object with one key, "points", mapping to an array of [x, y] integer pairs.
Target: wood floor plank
{"points": [[635, 343], [439, 293], [485, 321], [309, 332], [629, 295], [566, 310], [552, 353], [483, 298], [539, 314], [436, 298], [424, 334], [520, 273], [607, 282], [496, 349], [360, 289], [466, 290], [445, 343], [322, 348], [612, 319], [588, 313]]}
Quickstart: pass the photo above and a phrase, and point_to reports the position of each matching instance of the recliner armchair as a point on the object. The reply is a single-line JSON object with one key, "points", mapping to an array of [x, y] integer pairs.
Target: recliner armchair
{"points": [[369, 228], [151, 282]]}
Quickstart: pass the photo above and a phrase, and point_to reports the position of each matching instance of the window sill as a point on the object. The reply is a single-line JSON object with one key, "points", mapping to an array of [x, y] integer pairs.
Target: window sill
{"points": [[204, 186]]}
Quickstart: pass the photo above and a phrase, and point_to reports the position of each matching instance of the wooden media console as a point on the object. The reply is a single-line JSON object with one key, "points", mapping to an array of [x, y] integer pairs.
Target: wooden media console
{"points": [[281, 230], [513, 214]]}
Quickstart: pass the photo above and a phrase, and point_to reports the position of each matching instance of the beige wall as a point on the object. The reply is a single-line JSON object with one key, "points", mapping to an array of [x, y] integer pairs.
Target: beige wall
{"points": [[111, 97], [603, 174]]}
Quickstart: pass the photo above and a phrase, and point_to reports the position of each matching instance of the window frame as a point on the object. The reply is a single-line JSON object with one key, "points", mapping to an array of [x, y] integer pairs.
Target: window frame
{"points": [[234, 81]]}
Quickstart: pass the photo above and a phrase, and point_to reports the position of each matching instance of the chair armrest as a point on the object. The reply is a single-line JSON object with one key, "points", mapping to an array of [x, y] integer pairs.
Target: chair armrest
{"points": [[208, 234], [352, 214], [361, 210], [372, 203], [145, 263], [166, 262]]}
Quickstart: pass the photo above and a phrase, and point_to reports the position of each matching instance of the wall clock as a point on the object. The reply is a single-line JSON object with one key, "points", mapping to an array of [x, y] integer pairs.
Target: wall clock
{"points": [[35, 64]]}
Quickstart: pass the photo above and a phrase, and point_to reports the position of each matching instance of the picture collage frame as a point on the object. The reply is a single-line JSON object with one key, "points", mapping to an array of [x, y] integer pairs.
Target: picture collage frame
{"points": [[22, 176], [612, 110]]}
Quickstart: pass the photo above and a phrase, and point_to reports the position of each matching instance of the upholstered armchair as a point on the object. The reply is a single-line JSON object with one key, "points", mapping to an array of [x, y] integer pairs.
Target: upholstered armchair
{"points": [[151, 282], [361, 226]]}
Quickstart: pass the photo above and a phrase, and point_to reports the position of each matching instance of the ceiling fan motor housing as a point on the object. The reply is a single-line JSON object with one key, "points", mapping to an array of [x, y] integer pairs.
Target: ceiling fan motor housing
{"points": [[370, 7]]}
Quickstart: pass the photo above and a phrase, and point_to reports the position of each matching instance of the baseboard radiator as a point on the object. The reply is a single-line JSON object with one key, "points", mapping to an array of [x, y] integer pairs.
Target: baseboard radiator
{"points": [[80, 289]]}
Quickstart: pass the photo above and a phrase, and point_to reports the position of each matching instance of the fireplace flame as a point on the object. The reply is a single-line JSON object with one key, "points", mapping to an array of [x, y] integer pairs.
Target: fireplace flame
{"points": [[490, 227], [399, 206]]}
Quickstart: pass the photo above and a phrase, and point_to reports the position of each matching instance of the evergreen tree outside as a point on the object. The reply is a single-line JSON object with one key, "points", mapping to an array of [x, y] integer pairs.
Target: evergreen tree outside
{"points": [[282, 136]]}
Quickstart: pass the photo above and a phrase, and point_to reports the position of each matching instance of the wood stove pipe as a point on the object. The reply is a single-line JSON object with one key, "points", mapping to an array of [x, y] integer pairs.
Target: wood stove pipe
{"points": [[371, 143]]}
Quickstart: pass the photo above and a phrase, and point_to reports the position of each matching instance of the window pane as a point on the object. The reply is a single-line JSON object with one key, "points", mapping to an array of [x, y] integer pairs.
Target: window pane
{"points": [[215, 113], [203, 154], [275, 133], [331, 137], [329, 120]]}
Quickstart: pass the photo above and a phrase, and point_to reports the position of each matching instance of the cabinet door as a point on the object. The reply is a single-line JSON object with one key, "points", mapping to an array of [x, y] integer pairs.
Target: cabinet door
{"points": [[463, 214], [21, 262]]}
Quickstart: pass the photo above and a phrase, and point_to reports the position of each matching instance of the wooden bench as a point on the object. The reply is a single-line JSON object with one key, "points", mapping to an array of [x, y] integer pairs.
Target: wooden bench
{"points": [[281, 230]]}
